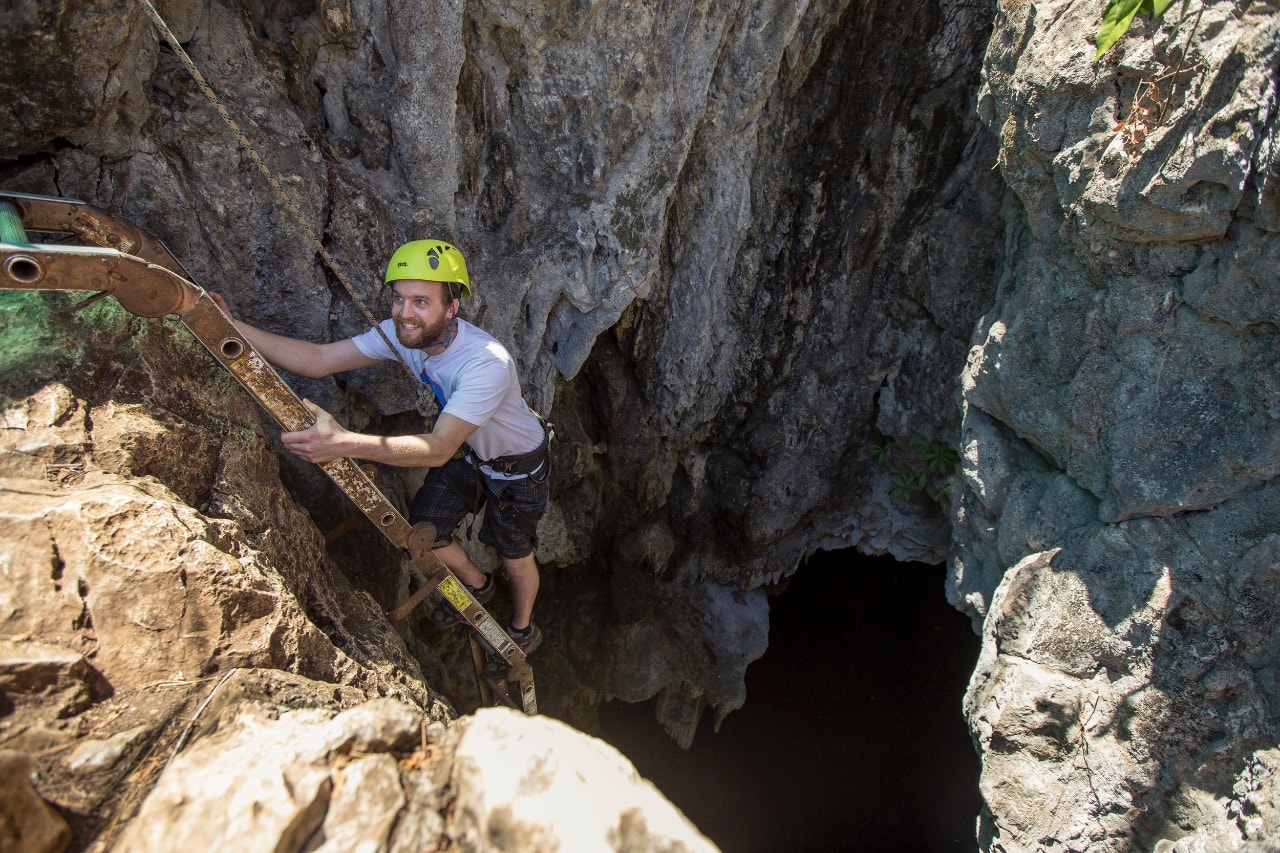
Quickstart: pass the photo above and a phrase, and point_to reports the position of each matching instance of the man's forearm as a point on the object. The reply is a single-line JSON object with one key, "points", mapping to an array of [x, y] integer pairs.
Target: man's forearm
{"points": [[405, 451], [291, 354], [326, 440]]}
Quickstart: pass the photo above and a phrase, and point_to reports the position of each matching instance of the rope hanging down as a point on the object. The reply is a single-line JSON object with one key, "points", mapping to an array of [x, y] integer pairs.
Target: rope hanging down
{"points": [[282, 198]]}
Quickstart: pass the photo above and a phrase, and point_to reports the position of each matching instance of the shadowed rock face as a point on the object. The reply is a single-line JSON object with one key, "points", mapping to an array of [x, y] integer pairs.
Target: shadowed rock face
{"points": [[732, 249]]}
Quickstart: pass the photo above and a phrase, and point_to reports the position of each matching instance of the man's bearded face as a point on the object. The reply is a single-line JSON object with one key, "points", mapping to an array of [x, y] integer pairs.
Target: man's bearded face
{"points": [[422, 311]]}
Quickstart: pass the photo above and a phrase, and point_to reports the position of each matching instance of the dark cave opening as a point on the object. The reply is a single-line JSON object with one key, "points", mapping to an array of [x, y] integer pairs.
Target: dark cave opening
{"points": [[852, 736]]}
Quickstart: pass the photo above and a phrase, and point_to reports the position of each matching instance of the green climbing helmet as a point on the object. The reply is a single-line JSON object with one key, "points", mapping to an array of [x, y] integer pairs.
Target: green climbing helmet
{"points": [[429, 260]]}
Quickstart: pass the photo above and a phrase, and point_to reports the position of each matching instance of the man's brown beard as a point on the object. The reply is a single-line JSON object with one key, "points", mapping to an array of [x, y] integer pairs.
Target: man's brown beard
{"points": [[425, 336]]}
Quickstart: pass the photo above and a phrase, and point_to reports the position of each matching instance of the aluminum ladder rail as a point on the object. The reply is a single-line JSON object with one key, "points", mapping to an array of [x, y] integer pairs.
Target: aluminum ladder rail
{"points": [[116, 258]]}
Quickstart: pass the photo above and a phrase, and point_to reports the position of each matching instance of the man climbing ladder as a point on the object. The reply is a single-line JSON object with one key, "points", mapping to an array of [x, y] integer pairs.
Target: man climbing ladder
{"points": [[487, 448]]}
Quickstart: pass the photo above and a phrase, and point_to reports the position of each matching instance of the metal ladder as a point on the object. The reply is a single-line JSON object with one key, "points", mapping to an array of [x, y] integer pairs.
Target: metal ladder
{"points": [[116, 258]]}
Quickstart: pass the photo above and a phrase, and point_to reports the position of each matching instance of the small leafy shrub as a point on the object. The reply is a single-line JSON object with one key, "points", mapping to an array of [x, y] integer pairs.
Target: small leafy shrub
{"points": [[918, 466]]}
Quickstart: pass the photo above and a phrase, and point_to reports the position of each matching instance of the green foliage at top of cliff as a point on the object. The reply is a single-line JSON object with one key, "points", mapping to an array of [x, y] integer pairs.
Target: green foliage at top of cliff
{"points": [[37, 338], [42, 338], [104, 352], [1119, 15]]}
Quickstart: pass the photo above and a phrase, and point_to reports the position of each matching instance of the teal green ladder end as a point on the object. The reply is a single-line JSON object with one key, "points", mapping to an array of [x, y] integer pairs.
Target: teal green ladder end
{"points": [[11, 230]]}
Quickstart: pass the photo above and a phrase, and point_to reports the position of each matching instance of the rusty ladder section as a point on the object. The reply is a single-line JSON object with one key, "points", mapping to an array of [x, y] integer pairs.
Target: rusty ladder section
{"points": [[116, 258]]}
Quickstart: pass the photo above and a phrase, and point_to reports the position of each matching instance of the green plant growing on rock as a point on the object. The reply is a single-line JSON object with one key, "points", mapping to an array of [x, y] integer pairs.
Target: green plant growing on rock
{"points": [[1119, 16], [1155, 97], [917, 466]]}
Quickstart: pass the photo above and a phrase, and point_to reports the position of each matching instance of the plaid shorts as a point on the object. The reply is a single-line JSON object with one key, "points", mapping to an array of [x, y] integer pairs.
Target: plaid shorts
{"points": [[454, 490]]}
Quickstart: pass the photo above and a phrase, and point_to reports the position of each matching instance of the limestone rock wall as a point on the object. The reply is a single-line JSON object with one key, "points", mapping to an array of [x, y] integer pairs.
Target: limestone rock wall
{"points": [[1115, 533], [708, 234], [731, 249]]}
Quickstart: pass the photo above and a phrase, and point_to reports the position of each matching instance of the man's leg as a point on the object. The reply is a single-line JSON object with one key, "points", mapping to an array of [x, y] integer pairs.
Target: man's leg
{"points": [[455, 557], [510, 527], [441, 501], [525, 580]]}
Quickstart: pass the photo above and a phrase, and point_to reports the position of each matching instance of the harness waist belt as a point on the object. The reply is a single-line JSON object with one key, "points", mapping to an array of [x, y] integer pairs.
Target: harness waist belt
{"points": [[515, 464], [519, 463]]}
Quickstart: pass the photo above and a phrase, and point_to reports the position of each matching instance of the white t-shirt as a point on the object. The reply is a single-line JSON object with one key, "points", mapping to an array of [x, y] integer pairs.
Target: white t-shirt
{"points": [[473, 379]]}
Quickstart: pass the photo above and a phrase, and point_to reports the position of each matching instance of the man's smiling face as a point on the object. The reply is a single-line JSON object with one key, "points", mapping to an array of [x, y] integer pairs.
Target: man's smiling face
{"points": [[422, 311]]}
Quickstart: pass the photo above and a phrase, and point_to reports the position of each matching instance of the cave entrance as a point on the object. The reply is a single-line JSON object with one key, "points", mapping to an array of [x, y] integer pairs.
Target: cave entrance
{"points": [[852, 735]]}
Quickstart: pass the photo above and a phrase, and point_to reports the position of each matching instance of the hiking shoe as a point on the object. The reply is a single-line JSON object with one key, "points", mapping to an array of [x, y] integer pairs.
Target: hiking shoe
{"points": [[528, 640], [445, 615]]}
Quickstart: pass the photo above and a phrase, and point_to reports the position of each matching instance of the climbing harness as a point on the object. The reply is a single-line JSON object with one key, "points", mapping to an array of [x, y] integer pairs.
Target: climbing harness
{"points": [[536, 464], [121, 260]]}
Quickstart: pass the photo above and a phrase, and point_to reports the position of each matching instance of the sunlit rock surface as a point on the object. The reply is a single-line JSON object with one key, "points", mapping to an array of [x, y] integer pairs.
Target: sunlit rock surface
{"points": [[197, 674], [281, 768]]}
